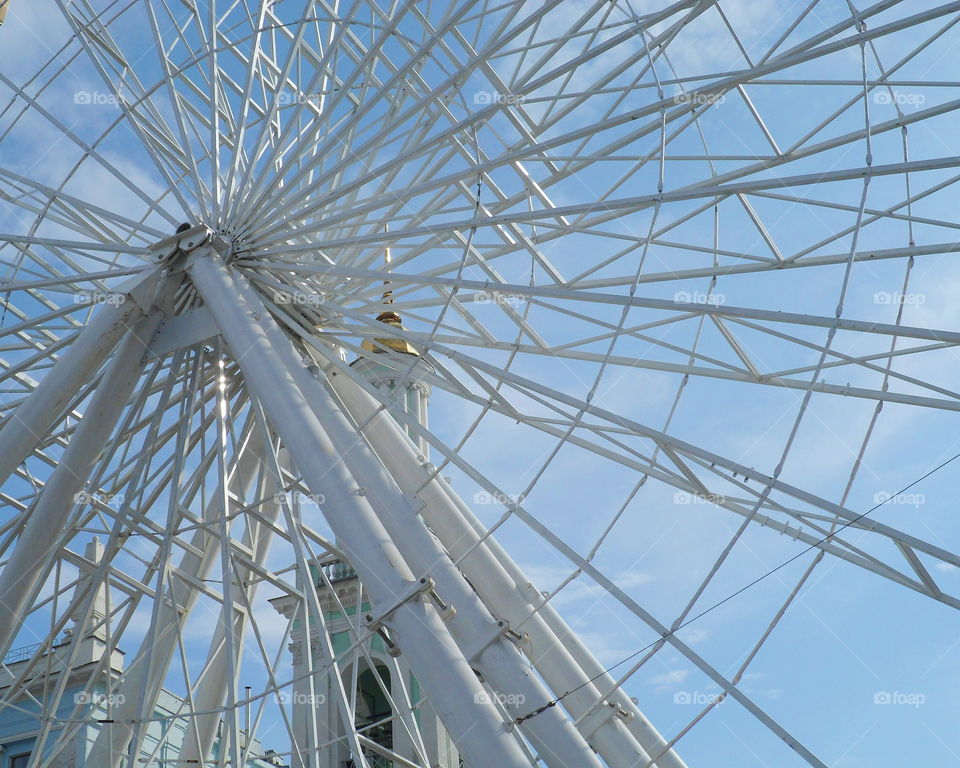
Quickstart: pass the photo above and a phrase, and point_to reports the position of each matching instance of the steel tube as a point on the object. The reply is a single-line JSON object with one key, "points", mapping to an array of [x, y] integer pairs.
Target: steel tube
{"points": [[24, 572], [34, 417], [502, 585], [509, 673], [446, 676]]}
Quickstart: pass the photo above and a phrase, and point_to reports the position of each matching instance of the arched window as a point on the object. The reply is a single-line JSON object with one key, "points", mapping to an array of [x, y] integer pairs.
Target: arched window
{"points": [[374, 714]]}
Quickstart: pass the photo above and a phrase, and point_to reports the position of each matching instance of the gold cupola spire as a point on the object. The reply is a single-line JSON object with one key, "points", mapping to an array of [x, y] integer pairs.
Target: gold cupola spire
{"points": [[388, 317]]}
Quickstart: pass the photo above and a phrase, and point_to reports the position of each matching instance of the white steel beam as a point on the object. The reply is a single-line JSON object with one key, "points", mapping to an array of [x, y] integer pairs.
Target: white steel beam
{"points": [[445, 674], [37, 414], [475, 629], [508, 592], [24, 572]]}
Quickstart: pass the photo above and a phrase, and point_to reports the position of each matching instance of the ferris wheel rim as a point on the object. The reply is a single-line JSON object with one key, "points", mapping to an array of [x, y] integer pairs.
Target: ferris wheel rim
{"points": [[352, 279]]}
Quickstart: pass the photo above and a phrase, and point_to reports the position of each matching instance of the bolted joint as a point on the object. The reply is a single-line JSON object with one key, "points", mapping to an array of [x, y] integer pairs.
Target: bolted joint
{"points": [[590, 723], [500, 630], [447, 610], [184, 241], [423, 589], [393, 650], [172, 252]]}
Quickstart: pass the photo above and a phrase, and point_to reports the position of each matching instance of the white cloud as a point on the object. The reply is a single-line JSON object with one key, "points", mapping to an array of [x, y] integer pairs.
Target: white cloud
{"points": [[670, 680]]}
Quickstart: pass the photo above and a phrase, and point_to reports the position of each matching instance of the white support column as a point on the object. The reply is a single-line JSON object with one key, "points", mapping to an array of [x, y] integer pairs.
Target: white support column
{"points": [[475, 629], [23, 574], [34, 417], [509, 593], [446, 676]]}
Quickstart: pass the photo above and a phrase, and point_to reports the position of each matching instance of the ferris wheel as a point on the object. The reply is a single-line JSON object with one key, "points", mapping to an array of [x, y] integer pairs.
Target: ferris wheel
{"points": [[543, 383]]}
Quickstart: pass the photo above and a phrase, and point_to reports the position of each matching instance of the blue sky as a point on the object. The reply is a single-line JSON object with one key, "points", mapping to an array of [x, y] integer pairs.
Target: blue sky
{"points": [[852, 641]]}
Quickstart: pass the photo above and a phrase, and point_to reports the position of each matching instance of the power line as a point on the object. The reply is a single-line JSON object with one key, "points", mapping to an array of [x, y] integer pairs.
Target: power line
{"points": [[728, 598]]}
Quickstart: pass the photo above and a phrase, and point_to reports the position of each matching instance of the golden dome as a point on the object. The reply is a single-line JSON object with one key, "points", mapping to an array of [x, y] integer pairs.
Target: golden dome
{"points": [[393, 344]]}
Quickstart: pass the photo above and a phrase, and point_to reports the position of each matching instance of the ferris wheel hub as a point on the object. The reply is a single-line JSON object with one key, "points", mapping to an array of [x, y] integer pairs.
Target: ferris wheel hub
{"points": [[183, 241], [190, 238]]}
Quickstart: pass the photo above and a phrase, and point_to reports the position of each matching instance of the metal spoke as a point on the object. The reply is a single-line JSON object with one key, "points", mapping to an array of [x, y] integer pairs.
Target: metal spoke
{"points": [[360, 362]]}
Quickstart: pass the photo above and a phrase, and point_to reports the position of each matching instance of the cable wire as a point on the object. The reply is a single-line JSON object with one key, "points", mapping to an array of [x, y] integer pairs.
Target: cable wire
{"points": [[728, 598]]}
